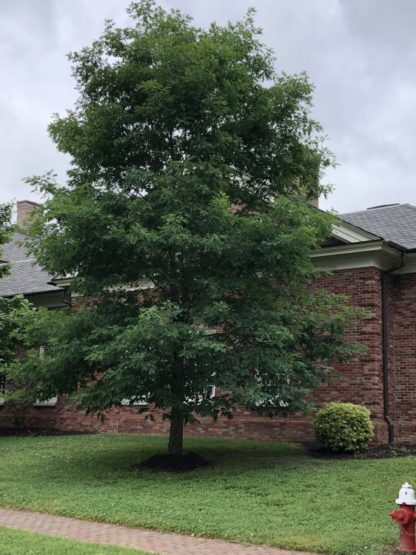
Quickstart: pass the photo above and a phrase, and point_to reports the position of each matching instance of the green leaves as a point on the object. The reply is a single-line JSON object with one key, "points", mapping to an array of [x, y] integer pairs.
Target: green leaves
{"points": [[185, 227], [14, 312], [164, 91], [343, 427]]}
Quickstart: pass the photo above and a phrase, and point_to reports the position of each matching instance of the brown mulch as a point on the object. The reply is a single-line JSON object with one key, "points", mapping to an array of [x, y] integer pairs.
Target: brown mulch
{"points": [[173, 463]]}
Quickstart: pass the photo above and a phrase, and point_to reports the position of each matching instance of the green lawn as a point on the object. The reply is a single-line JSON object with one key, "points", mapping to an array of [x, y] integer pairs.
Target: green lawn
{"points": [[259, 492], [15, 542]]}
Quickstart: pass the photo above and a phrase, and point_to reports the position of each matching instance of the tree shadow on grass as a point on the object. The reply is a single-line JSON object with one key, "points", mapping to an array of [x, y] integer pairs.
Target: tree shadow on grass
{"points": [[111, 459]]}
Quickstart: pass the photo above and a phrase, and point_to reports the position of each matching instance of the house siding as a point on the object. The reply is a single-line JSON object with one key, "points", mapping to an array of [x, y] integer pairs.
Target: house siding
{"points": [[361, 380], [402, 357]]}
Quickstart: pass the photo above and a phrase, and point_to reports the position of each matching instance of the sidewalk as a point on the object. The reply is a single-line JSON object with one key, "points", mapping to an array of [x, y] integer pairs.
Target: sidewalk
{"points": [[139, 538]]}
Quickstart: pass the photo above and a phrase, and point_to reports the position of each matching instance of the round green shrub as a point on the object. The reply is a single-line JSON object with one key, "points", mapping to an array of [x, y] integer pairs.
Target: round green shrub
{"points": [[343, 427]]}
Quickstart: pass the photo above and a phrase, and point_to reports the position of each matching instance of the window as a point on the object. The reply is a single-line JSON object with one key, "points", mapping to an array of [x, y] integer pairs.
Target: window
{"points": [[210, 392], [48, 403], [3, 379], [134, 402], [3, 384]]}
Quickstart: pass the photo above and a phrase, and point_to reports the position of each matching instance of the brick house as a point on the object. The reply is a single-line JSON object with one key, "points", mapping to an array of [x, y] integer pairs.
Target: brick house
{"points": [[372, 259]]}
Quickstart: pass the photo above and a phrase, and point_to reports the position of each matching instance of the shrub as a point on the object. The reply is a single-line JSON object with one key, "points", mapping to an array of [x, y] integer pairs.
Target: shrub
{"points": [[343, 427]]}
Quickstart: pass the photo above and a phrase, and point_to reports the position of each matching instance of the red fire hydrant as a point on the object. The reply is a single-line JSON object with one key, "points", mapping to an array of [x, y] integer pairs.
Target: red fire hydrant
{"points": [[406, 517]]}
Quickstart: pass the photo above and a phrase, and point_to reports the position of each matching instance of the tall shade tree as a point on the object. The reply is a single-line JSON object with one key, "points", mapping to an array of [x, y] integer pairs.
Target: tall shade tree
{"points": [[185, 229]]}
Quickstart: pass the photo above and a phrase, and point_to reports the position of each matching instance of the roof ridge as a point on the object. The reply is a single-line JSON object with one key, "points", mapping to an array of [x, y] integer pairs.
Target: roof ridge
{"points": [[349, 213], [381, 207]]}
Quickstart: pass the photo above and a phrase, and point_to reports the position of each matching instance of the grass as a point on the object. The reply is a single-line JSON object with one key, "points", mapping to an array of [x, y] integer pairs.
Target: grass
{"points": [[16, 542], [260, 492]]}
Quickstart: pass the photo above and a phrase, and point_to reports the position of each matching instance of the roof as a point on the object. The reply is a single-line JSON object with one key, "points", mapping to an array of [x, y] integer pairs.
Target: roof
{"points": [[26, 276], [395, 223]]}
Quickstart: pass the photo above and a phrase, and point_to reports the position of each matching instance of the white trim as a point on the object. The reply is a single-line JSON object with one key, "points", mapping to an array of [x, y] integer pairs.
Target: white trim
{"points": [[140, 285], [48, 403], [198, 398], [61, 282], [351, 247], [3, 387], [137, 403], [352, 234], [409, 266], [372, 254]]}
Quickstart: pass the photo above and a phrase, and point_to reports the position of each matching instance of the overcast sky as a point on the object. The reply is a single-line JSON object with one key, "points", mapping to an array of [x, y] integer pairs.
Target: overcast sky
{"points": [[360, 54]]}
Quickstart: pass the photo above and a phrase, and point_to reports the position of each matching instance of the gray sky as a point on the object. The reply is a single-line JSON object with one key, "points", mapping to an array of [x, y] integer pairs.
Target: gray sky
{"points": [[360, 54]]}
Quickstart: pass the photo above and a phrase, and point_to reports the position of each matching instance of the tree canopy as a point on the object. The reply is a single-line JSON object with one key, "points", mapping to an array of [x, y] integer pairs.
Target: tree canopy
{"points": [[184, 227]]}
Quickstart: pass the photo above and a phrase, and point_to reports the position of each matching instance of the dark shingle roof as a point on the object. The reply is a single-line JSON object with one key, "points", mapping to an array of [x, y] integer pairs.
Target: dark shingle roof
{"points": [[395, 223], [26, 276]]}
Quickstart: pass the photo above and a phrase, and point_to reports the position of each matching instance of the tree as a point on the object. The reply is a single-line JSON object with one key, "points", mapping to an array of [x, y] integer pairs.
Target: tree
{"points": [[13, 311], [184, 225]]}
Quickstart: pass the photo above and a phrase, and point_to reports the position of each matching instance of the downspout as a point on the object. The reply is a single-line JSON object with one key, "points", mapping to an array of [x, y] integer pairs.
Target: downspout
{"points": [[385, 351], [385, 357]]}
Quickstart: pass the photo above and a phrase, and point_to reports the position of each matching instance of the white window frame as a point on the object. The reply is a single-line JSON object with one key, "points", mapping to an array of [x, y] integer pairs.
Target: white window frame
{"points": [[3, 382], [47, 403], [137, 403]]}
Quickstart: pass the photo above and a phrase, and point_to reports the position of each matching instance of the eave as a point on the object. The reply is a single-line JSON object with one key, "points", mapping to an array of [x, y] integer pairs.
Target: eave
{"points": [[349, 233], [376, 254]]}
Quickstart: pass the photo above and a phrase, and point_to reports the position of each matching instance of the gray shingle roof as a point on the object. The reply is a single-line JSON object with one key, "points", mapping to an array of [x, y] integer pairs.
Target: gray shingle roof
{"points": [[395, 223], [26, 276]]}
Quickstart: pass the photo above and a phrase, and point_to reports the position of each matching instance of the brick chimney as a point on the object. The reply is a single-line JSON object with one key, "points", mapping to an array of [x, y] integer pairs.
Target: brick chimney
{"points": [[25, 209]]}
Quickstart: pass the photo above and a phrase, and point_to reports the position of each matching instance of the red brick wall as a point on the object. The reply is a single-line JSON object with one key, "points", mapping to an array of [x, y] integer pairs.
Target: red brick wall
{"points": [[245, 424], [402, 357], [360, 382]]}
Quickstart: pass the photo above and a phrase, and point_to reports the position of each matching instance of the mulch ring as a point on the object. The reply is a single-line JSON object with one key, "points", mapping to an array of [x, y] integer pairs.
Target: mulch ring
{"points": [[373, 452], [173, 463]]}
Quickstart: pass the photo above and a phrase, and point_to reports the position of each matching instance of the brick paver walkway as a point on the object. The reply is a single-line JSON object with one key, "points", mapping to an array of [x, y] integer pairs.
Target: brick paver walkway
{"points": [[139, 538]]}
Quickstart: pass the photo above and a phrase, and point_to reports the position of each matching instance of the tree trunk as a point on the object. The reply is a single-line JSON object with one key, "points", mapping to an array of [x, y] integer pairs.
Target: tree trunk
{"points": [[175, 446], [176, 434]]}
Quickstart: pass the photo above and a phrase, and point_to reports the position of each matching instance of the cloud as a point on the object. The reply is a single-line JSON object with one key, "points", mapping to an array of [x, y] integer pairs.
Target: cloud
{"points": [[360, 56]]}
